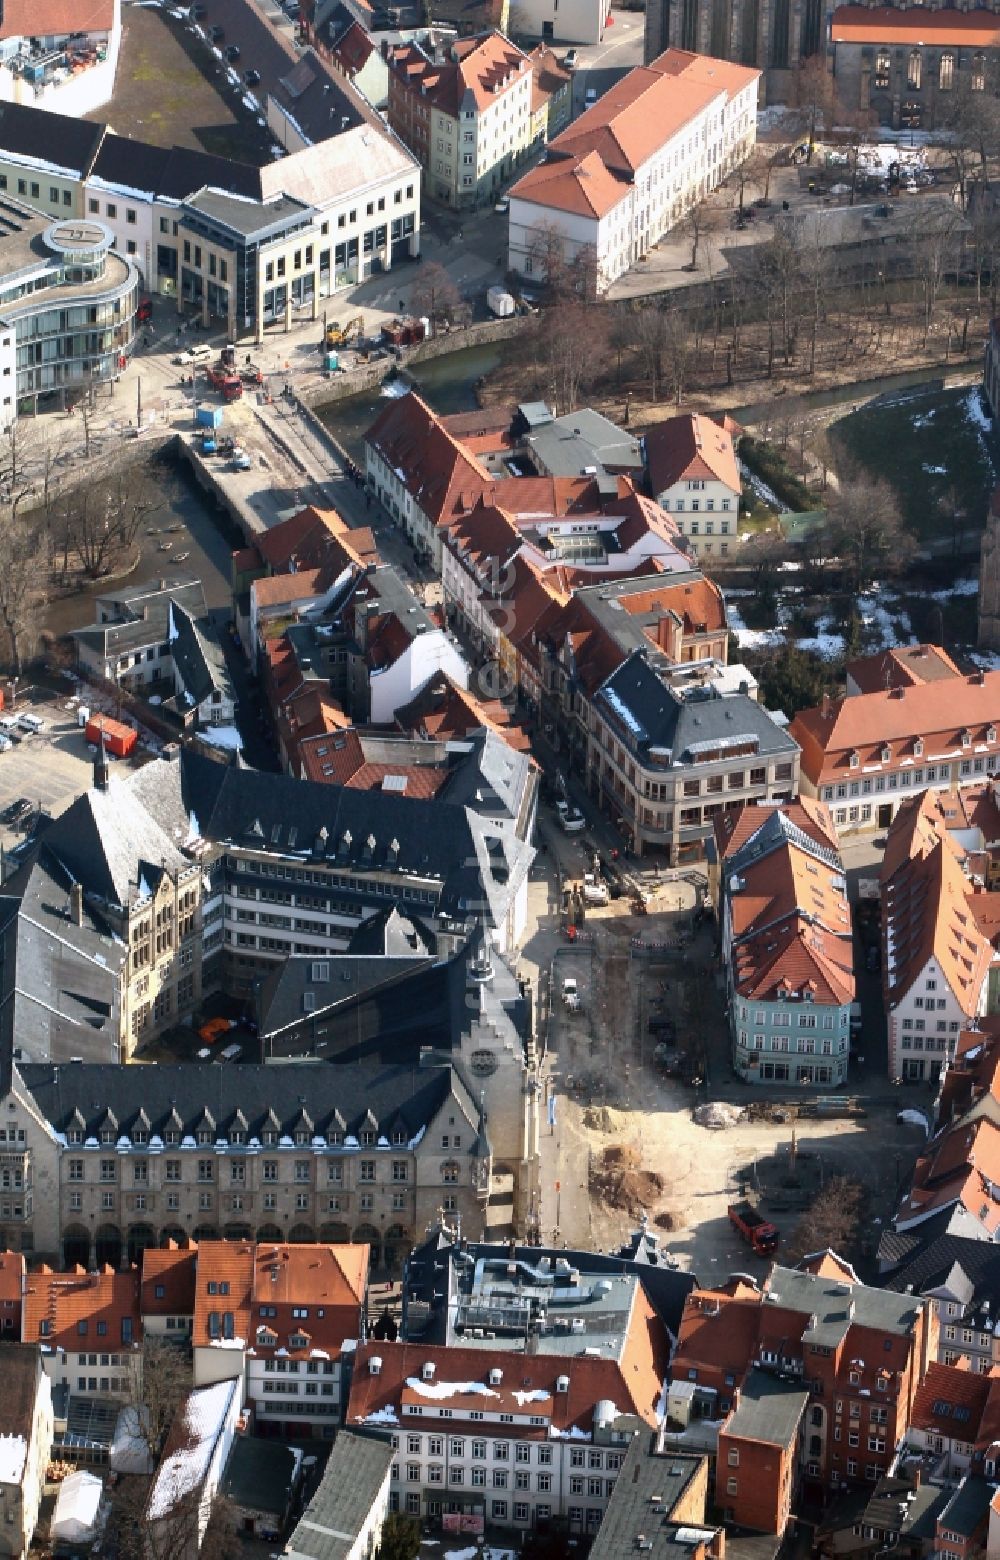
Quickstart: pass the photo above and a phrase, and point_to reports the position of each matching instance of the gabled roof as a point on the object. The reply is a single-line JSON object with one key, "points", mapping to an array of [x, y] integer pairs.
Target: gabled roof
{"points": [[63, 1309], [169, 1268], [687, 447], [937, 713], [791, 924], [197, 1428], [197, 657], [57, 139], [444, 480], [102, 838], [237, 1278], [735, 827], [927, 915], [960, 1166], [887, 24], [472, 76], [900, 666], [950, 1401]]}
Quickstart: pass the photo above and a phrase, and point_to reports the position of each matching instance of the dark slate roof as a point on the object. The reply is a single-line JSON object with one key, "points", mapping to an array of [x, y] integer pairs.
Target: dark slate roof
{"points": [[144, 621], [102, 839], [391, 932], [652, 716], [969, 1507], [399, 1098], [173, 172], [197, 655], [898, 1246], [475, 857], [318, 99], [358, 1467], [646, 1491], [235, 215], [259, 1476], [53, 138], [66, 978], [769, 1409], [970, 1269], [366, 1007]]}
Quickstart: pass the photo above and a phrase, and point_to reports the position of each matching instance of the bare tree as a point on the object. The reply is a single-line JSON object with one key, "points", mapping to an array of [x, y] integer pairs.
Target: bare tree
{"points": [[22, 556], [814, 98], [692, 226], [864, 529], [568, 345], [435, 294], [161, 1378], [832, 1221]]}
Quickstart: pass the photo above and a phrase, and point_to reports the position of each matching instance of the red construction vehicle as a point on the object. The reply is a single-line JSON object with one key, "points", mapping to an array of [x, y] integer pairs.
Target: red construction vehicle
{"points": [[223, 379], [754, 1228]]}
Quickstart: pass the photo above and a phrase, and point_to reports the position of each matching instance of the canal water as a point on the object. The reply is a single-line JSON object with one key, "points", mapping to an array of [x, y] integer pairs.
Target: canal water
{"points": [[191, 524], [447, 384]]}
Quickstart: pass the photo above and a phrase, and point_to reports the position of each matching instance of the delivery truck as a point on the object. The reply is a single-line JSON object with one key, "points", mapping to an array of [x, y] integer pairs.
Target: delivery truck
{"points": [[753, 1228]]}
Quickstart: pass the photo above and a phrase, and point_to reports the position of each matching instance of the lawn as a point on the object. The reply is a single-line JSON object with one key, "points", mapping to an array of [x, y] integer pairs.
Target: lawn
{"points": [[171, 90], [934, 448]]}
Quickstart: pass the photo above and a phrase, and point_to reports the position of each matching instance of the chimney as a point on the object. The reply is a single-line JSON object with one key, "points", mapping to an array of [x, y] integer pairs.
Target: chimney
{"points": [[76, 904], [101, 768]]}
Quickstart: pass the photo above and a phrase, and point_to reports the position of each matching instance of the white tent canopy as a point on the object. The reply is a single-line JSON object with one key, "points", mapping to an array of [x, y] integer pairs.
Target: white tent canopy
{"points": [[75, 1516]]}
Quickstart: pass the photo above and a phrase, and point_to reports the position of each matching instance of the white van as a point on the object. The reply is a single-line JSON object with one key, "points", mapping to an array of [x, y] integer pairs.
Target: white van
{"points": [[8, 722], [202, 353], [29, 722]]}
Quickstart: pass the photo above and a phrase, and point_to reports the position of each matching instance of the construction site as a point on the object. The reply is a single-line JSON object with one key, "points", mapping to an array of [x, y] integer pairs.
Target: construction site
{"points": [[647, 1116]]}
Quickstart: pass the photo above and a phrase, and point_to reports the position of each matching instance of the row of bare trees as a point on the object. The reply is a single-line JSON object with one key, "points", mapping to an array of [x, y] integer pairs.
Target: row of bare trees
{"points": [[52, 530]]}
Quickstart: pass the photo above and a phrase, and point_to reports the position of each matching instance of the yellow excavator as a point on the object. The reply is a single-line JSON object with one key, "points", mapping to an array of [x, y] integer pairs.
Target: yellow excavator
{"points": [[337, 335]]}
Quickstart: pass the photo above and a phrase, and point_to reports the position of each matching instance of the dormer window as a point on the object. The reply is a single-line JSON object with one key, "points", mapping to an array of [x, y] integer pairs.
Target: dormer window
{"points": [[269, 1137], [266, 1338], [108, 1136], [965, 737], [885, 753], [205, 1137], [854, 760], [298, 1341], [367, 1138], [334, 1138], [301, 1138], [991, 733], [237, 1136], [918, 748]]}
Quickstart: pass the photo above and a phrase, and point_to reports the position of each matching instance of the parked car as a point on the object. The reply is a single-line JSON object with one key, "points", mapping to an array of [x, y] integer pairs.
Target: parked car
{"points": [[571, 994], [573, 821], [570, 59]]}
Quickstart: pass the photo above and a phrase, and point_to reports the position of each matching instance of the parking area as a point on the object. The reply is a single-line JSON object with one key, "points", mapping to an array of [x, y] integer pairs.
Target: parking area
{"points": [[49, 768], [172, 90]]}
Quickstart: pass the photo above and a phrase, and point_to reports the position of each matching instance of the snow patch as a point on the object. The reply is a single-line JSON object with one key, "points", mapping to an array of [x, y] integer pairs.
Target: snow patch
{"points": [[538, 1396], [380, 1416], [222, 737], [13, 1453], [447, 1389]]}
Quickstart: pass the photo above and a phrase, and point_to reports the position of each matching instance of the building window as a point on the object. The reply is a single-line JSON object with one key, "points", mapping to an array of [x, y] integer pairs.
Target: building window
{"points": [[946, 72], [883, 66], [914, 70]]}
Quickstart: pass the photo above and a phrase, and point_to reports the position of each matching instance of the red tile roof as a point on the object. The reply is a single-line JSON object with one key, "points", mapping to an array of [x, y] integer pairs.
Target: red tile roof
{"points": [[477, 72], [444, 480], [55, 18], [926, 914], [74, 1311], [938, 713], [734, 827], [944, 1389], [687, 447], [791, 929], [328, 1282], [342, 760], [594, 160], [886, 24], [962, 1166], [171, 1269], [901, 666], [632, 1383], [447, 712], [353, 48]]}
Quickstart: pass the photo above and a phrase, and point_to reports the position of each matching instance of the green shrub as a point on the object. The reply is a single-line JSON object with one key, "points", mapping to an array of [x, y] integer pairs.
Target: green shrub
{"points": [[770, 465]]}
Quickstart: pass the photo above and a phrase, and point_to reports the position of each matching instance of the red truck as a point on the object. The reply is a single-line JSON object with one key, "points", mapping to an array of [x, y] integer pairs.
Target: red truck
{"points": [[754, 1228], [222, 378]]}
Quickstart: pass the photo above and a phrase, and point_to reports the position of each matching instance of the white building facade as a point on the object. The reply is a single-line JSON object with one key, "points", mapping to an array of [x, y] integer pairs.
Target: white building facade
{"points": [[617, 204]]}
